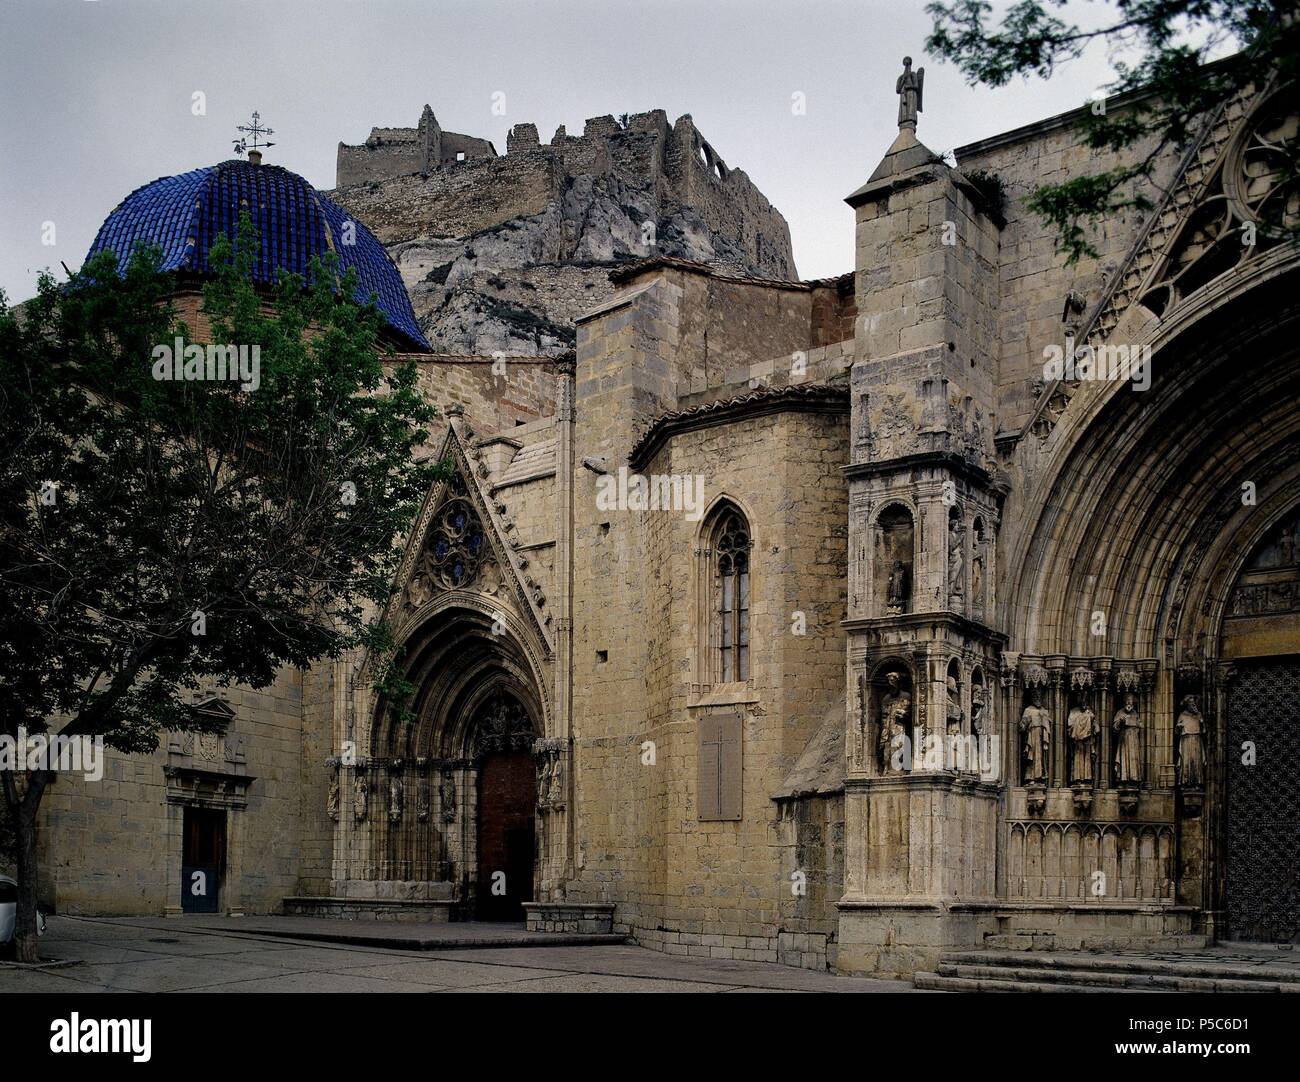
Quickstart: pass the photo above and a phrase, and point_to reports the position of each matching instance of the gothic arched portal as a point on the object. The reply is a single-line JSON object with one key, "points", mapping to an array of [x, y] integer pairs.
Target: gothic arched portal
{"points": [[1158, 563], [456, 770]]}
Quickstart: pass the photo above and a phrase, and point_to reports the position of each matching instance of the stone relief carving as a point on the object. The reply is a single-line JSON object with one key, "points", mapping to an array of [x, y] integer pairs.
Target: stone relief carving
{"points": [[360, 799], [1266, 598], [503, 726], [896, 434], [332, 801]]}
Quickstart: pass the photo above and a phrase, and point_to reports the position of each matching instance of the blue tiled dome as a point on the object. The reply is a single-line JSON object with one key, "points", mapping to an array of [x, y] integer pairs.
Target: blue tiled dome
{"points": [[184, 214]]}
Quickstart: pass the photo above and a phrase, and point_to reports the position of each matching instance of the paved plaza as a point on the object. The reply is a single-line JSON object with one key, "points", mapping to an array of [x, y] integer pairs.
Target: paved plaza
{"points": [[273, 954]]}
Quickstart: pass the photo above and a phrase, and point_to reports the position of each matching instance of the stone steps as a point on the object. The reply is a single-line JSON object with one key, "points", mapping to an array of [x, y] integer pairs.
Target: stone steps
{"points": [[934, 982], [1049, 941], [1041, 971]]}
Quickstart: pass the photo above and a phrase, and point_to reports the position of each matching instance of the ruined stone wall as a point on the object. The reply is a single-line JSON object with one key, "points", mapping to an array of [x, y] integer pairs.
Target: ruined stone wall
{"points": [[391, 152], [502, 253], [455, 203]]}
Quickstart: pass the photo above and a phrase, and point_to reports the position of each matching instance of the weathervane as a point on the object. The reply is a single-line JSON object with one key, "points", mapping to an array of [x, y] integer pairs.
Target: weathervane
{"points": [[253, 130]]}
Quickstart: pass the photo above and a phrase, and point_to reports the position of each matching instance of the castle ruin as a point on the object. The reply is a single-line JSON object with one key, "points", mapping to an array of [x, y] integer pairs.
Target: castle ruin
{"points": [[505, 251]]}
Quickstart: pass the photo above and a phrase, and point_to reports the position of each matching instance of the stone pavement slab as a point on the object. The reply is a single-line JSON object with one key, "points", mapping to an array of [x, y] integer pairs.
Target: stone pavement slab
{"points": [[153, 954], [399, 934]]}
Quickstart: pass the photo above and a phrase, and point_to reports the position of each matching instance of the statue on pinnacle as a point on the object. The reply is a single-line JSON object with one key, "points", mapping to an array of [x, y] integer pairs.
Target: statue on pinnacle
{"points": [[908, 88]]}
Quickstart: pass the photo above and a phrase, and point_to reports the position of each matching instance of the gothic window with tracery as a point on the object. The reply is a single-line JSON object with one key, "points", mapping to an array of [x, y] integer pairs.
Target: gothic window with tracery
{"points": [[730, 551], [457, 543]]}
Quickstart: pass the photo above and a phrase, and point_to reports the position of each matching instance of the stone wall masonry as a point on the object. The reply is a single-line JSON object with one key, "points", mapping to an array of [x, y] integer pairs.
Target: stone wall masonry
{"points": [[682, 884], [493, 402], [735, 331], [108, 847], [1034, 277]]}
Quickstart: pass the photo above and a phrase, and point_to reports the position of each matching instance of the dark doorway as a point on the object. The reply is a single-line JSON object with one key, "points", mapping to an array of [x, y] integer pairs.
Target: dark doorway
{"points": [[203, 860], [1263, 768], [507, 800]]}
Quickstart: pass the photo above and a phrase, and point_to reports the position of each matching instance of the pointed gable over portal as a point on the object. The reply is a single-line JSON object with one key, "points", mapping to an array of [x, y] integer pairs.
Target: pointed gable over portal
{"points": [[463, 543]]}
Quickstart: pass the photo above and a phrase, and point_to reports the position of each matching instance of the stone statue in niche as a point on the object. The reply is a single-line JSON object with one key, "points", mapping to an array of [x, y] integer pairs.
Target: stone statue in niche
{"points": [[954, 715], [895, 722], [977, 709], [897, 600], [859, 747], [1190, 730], [447, 797], [555, 794], [396, 796], [1127, 728], [1081, 727], [332, 801], [1036, 736], [422, 804], [544, 764], [360, 799], [956, 564], [977, 580]]}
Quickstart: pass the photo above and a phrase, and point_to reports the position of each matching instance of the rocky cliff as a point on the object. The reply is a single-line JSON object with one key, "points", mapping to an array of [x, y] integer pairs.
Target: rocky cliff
{"points": [[500, 253]]}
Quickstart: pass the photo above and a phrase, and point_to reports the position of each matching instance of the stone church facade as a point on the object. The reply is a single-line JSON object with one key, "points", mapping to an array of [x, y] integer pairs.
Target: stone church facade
{"points": [[817, 621]]}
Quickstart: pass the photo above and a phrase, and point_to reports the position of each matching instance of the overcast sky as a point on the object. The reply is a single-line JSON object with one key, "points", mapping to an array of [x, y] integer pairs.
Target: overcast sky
{"points": [[98, 94]]}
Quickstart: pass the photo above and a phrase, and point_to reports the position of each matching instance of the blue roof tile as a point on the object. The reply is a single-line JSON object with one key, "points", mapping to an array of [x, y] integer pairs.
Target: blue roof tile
{"points": [[186, 213]]}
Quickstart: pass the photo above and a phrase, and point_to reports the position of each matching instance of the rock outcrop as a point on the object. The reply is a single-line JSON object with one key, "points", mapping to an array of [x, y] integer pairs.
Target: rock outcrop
{"points": [[501, 253]]}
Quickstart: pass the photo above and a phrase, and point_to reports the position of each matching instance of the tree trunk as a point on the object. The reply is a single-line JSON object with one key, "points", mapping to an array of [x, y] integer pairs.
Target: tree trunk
{"points": [[23, 812]]}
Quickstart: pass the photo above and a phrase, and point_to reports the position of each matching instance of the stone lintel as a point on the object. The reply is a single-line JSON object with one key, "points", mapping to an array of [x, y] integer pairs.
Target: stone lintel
{"points": [[944, 460], [952, 621], [922, 780]]}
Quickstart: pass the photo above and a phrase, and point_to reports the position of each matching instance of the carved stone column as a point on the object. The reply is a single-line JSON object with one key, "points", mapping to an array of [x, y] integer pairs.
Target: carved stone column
{"points": [[1101, 668], [1060, 765]]}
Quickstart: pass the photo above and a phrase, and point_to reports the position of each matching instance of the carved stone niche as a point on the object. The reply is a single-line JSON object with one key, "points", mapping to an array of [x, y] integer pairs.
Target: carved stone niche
{"points": [[893, 733], [1189, 751], [549, 755], [893, 551]]}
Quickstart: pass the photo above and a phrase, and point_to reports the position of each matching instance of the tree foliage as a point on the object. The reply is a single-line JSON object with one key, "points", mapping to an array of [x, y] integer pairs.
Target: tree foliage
{"points": [[160, 536], [1162, 48]]}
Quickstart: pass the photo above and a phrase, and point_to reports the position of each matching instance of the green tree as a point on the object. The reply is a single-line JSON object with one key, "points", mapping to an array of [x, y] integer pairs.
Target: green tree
{"points": [[160, 536], [1173, 88]]}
